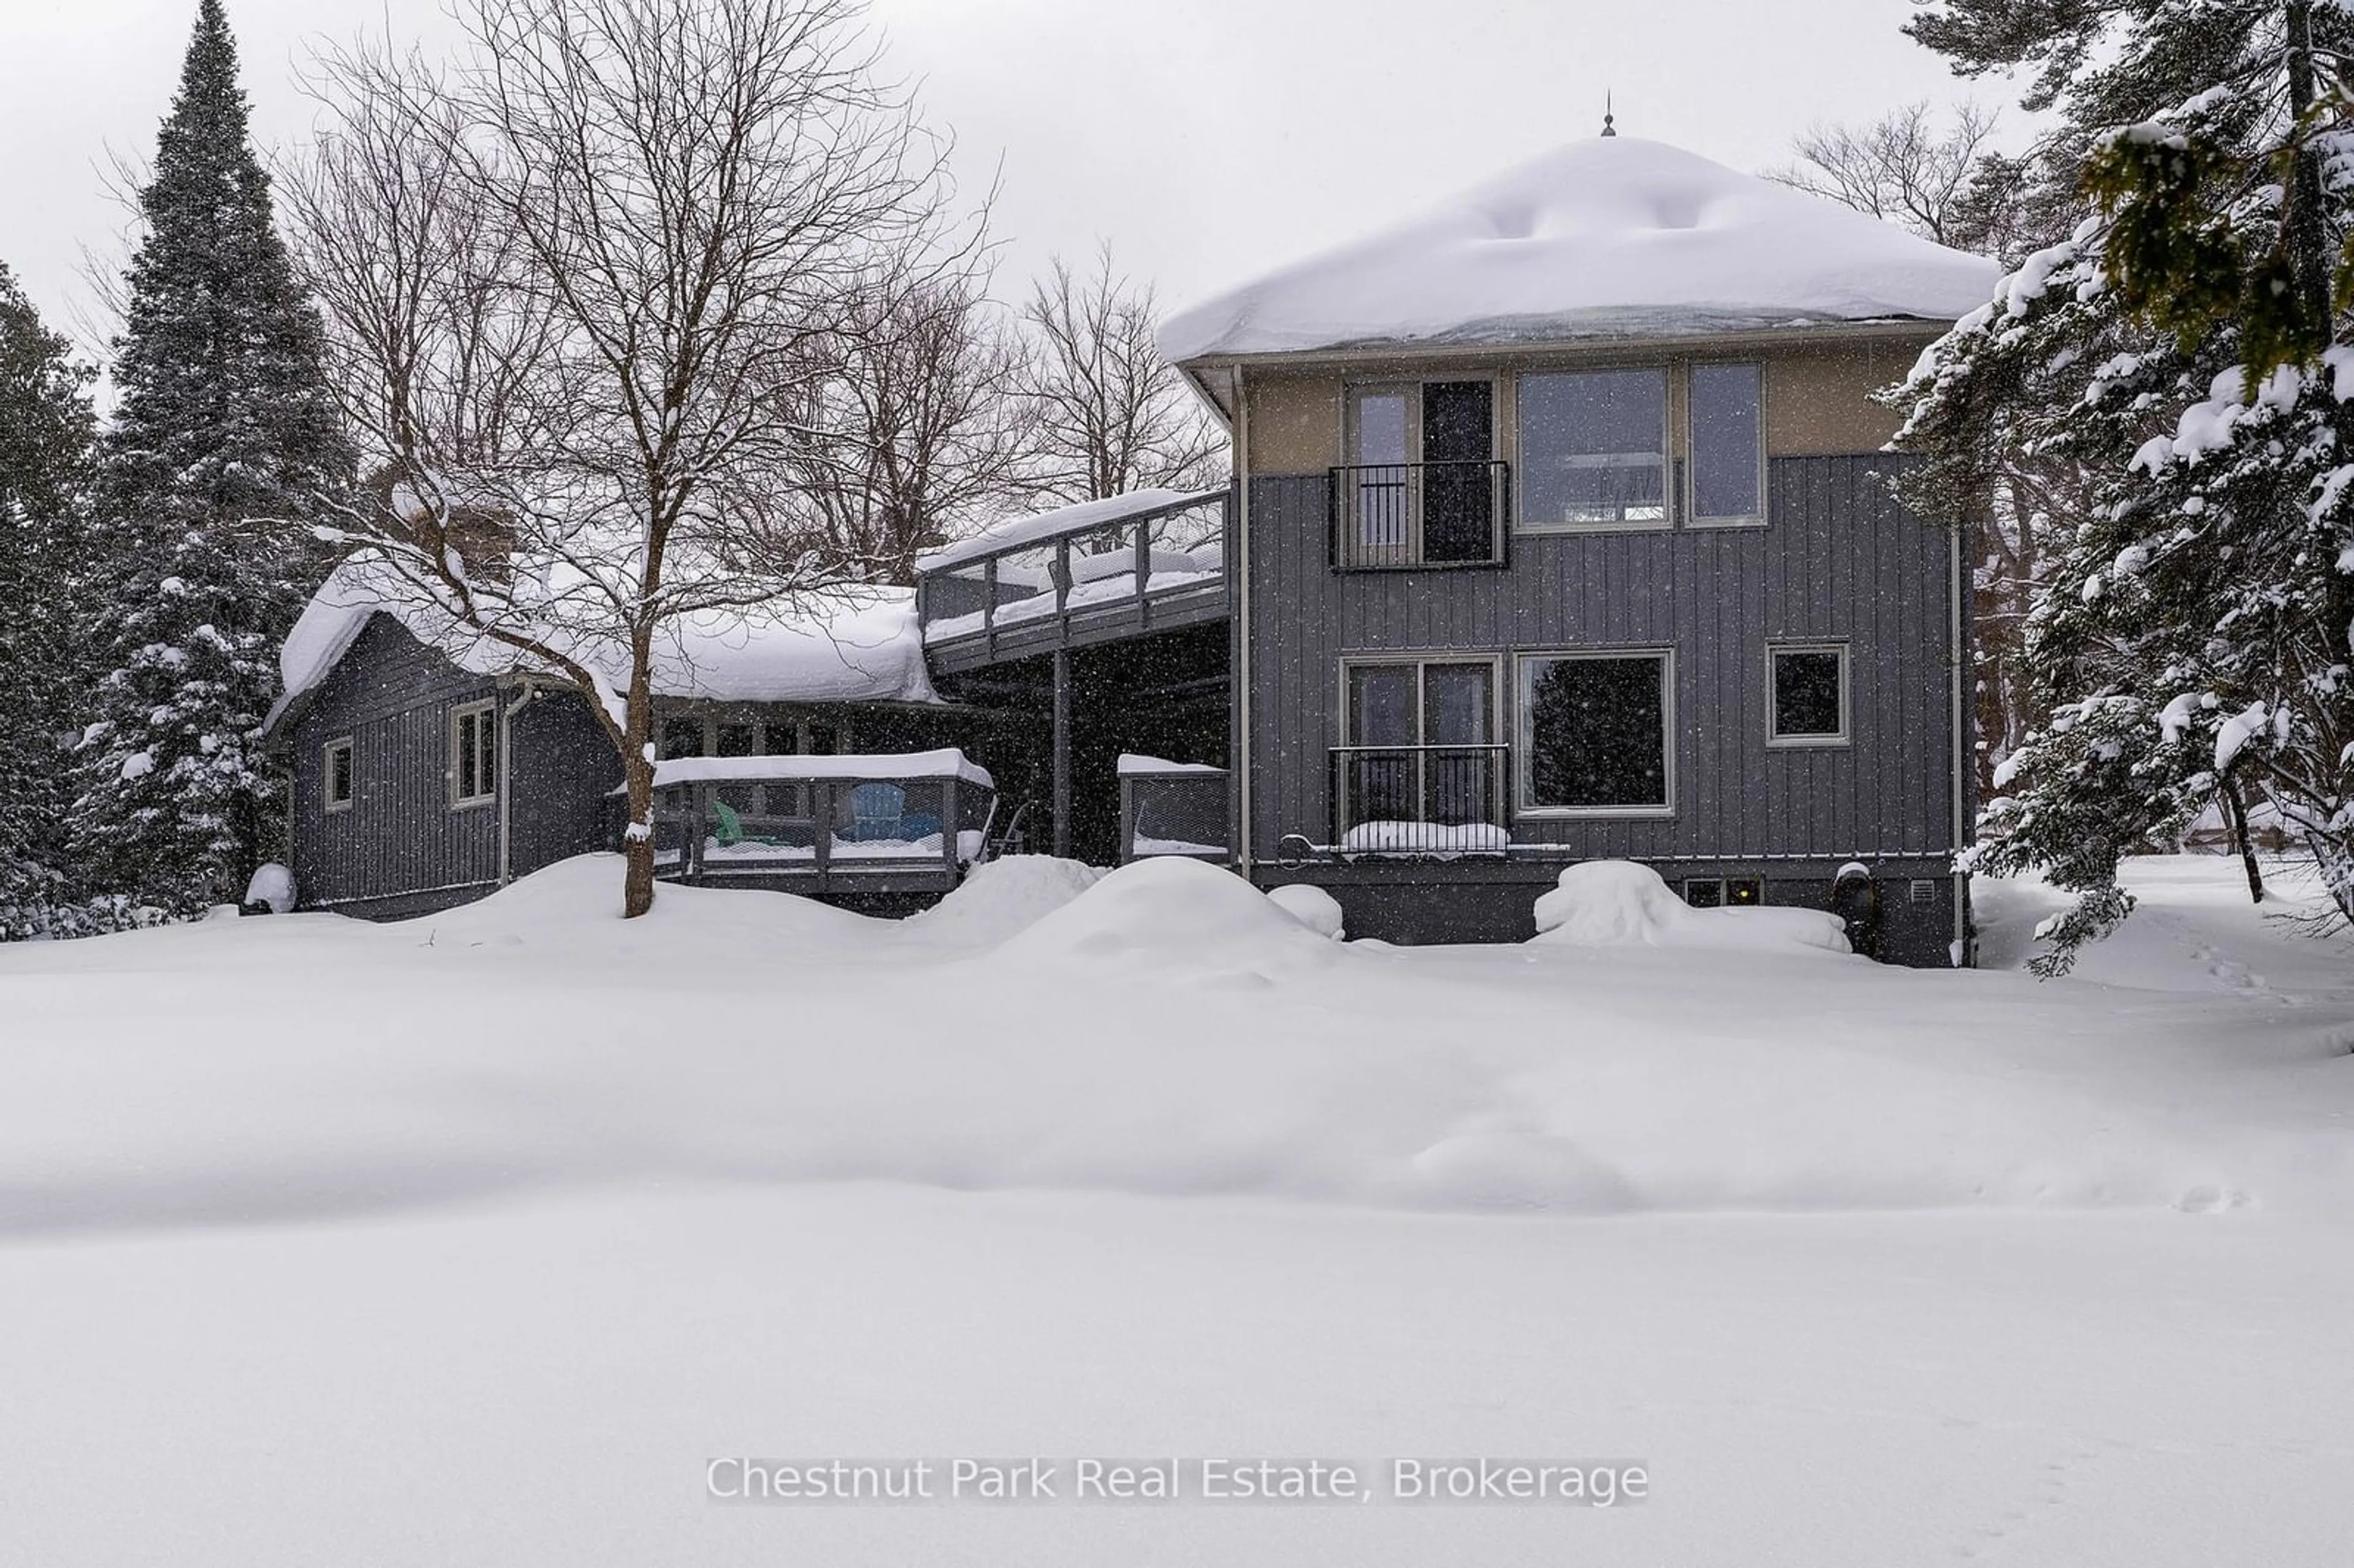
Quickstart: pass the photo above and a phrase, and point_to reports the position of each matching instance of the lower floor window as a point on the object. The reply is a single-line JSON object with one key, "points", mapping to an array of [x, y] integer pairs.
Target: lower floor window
{"points": [[1593, 731], [1723, 892]]}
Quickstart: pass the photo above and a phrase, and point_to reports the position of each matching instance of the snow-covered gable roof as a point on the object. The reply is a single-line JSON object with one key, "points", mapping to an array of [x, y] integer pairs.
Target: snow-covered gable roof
{"points": [[855, 643], [1609, 236], [1042, 526]]}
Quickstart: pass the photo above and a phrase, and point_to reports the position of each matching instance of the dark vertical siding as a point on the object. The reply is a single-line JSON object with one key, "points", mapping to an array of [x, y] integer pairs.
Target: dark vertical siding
{"points": [[392, 696], [565, 772], [1837, 559]]}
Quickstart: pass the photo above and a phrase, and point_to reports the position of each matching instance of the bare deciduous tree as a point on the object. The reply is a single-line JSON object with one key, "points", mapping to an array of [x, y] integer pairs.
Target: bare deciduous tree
{"points": [[1902, 166], [579, 283], [913, 431], [1112, 414]]}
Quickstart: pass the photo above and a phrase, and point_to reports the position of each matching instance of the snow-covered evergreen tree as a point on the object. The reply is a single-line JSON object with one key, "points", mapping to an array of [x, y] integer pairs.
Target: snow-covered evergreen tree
{"points": [[45, 438], [2177, 365], [223, 450]]}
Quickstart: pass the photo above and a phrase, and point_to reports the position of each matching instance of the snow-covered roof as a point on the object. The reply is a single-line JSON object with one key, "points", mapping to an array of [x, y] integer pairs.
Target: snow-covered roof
{"points": [[853, 643], [948, 762], [1045, 526], [1608, 236]]}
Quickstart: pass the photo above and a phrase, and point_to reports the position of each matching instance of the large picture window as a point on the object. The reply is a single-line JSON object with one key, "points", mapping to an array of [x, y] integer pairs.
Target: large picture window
{"points": [[1593, 449], [1594, 733], [1727, 471], [474, 754], [1810, 697]]}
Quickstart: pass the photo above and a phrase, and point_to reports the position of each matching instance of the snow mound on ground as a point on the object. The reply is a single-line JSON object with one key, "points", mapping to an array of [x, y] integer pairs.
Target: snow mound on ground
{"points": [[1604, 237], [1179, 918], [272, 885], [1312, 906], [1000, 897], [1611, 902], [575, 906]]}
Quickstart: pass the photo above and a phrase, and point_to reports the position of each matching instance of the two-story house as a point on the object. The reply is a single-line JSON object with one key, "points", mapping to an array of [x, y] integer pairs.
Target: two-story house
{"points": [[1562, 531]]}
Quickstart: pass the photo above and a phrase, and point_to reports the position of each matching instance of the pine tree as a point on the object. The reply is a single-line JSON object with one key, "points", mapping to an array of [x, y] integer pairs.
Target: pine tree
{"points": [[223, 451], [46, 429], [2178, 361]]}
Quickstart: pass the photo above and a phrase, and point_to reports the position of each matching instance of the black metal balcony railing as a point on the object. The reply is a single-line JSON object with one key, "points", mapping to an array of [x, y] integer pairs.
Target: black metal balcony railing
{"points": [[1388, 516], [1420, 800]]}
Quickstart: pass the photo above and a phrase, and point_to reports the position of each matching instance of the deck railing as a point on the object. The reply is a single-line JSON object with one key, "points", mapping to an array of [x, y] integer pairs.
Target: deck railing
{"points": [[1129, 564], [1408, 515], [817, 832], [1421, 799], [1172, 809]]}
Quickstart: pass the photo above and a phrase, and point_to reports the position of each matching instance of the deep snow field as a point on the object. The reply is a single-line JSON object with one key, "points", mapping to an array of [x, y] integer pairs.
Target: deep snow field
{"points": [[472, 1239]]}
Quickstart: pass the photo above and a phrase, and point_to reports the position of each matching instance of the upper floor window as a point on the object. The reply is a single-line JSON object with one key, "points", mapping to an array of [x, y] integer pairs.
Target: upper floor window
{"points": [[336, 774], [1594, 449], [474, 754], [1728, 470], [1421, 486]]}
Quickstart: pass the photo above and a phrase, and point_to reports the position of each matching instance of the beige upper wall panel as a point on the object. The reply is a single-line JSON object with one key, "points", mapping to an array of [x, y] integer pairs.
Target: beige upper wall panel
{"points": [[1295, 423], [1820, 404], [1817, 402]]}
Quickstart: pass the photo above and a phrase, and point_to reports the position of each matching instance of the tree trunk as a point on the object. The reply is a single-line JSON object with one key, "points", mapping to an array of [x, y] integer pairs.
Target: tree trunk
{"points": [[638, 773], [2235, 813]]}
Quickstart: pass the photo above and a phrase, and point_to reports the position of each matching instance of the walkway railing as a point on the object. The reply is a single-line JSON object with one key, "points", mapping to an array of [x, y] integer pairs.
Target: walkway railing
{"points": [[1128, 564]]}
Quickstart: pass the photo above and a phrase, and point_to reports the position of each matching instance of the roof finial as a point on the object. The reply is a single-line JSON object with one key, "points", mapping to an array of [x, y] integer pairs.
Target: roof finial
{"points": [[1607, 128]]}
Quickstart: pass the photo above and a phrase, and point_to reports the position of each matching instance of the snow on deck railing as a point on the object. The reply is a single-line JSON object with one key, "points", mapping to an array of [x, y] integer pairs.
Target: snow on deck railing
{"points": [[948, 762], [1132, 764], [1046, 526]]}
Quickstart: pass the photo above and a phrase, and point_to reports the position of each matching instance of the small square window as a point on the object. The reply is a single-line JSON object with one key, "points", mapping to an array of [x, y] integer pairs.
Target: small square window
{"points": [[780, 739], [1743, 892], [733, 739], [682, 738], [1810, 695], [336, 775], [1704, 892]]}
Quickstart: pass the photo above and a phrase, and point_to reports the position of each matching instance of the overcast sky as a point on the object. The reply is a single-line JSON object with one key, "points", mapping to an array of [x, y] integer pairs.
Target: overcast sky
{"points": [[1206, 139]]}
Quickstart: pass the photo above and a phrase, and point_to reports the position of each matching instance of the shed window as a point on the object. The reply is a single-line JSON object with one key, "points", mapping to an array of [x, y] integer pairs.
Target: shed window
{"points": [[337, 774], [1727, 472], [1593, 731], [1810, 699], [1594, 449], [474, 754]]}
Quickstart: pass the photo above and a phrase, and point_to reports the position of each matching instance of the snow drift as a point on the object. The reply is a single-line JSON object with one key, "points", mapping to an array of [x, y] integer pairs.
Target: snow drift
{"points": [[1607, 903], [1602, 238]]}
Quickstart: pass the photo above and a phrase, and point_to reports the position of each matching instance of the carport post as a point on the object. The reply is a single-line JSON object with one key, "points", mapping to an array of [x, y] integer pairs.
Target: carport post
{"points": [[1063, 751]]}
